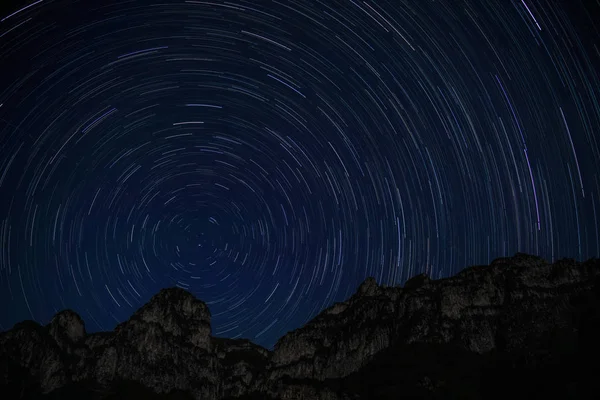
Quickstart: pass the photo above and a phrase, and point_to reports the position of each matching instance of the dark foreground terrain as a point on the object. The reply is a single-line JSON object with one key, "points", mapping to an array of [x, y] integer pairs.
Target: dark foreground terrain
{"points": [[518, 328]]}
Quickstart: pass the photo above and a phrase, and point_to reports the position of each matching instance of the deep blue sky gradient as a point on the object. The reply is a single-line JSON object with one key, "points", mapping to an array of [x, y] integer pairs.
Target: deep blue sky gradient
{"points": [[268, 156]]}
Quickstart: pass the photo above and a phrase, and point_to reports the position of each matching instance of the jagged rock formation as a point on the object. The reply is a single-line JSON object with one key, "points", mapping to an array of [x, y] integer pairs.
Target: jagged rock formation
{"points": [[518, 327]]}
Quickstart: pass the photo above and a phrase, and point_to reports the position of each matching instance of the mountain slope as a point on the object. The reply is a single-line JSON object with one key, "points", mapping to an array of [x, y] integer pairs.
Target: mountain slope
{"points": [[517, 325]]}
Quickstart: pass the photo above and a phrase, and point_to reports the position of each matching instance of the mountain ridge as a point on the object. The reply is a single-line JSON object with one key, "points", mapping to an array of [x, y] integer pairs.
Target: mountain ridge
{"points": [[516, 312]]}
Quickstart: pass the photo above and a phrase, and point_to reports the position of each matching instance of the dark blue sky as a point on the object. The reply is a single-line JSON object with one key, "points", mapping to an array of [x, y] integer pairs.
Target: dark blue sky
{"points": [[270, 155]]}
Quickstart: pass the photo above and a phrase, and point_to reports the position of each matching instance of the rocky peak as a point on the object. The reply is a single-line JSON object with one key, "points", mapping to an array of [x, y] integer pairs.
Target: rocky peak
{"points": [[177, 312], [67, 325], [173, 305], [369, 287]]}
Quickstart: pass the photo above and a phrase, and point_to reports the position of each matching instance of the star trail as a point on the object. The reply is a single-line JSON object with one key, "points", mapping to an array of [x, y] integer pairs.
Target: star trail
{"points": [[268, 156]]}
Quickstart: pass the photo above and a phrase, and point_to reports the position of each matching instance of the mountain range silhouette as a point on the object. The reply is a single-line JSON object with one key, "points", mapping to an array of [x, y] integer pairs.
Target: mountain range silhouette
{"points": [[519, 327]]}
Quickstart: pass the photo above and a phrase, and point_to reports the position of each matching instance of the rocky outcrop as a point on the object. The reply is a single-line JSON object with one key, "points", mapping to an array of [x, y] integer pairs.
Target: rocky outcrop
{"points": [[519, 320]]}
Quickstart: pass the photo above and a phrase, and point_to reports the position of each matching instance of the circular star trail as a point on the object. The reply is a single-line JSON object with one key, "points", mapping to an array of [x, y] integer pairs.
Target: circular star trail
{"points": [[270, 155]]}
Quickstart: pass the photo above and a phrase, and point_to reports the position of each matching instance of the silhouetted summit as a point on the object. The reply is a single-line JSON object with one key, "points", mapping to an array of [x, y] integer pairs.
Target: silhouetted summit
{"points": [[520, 327]]}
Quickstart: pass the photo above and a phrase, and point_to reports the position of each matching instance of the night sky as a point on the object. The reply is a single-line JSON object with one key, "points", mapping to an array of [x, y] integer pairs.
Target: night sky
{"points": [[268, 156]]}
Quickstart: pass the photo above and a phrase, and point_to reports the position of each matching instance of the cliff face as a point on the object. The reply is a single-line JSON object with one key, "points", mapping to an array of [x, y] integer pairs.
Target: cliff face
{"points": [[490, 331]]}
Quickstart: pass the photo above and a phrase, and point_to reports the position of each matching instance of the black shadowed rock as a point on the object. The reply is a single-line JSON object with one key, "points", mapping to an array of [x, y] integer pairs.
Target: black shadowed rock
{"points": [[417, 281], [517, 327]]}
